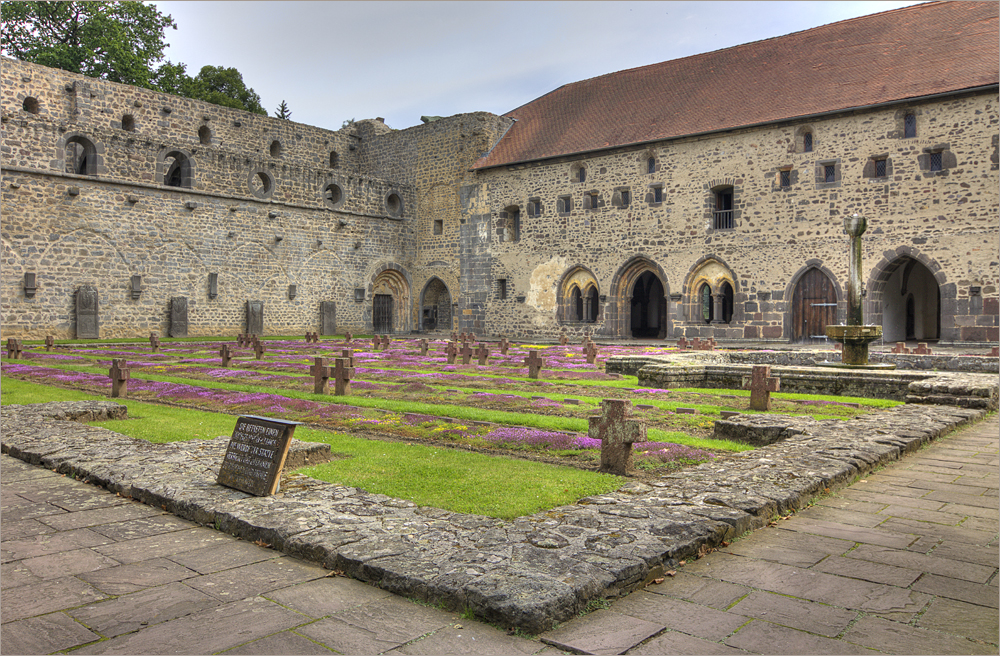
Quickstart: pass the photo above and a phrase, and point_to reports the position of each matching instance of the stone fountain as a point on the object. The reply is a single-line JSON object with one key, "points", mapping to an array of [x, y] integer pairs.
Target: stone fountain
{"points": [[855, 336]]}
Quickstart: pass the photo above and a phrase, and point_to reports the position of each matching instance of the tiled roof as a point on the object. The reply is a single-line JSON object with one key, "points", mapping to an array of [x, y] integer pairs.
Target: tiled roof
{"points": [[912, 52]]}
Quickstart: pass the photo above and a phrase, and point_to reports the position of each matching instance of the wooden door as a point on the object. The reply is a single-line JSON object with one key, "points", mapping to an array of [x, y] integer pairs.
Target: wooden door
{"points": [[382, 314], [814, 307]]}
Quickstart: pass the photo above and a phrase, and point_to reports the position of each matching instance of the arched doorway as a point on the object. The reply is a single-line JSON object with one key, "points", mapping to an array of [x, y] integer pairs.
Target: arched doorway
{"points": [[648, 307], [814, 306], [435, 306], [910, 303], [390, 293]]}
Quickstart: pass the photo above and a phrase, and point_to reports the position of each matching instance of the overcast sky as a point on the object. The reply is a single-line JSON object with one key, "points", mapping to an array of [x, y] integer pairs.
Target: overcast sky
{"points": [[333, 61]]}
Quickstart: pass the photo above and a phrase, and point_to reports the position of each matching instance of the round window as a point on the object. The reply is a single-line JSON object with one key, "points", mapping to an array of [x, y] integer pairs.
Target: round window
{"points": [[333, 195], [261, 184], [393, 205]]}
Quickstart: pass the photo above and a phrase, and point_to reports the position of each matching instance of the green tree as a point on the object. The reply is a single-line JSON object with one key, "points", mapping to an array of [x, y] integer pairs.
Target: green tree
{"points": [[117, 41], [282, 111], [224, 86]]}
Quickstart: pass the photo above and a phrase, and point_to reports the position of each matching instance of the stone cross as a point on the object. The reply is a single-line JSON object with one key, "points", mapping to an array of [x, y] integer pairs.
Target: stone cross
{"points": [[119, 375], [154, 342], [900, 348], [585, 341], [617, 432], [423, 347], [482, 353], [50, 341], [342, 374], [504, 345], [225, 354], [708, 344], [385, 342], [462, 337], [591, 353], [535, 363], [682, 343], [761, 386], [696, 343], [241, 340], [347, 338], [563, 340], [348, 354], [454, 336], [466, 353], [922, 349], [13, 348], [321, 376], [451, 351], [311, 337], [258, 348]]}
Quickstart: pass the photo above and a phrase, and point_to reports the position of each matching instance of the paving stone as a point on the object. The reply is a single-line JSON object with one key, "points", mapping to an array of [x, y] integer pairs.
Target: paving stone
{"points": [[678, 615], [924, 544], [945, 487], [68, 563], [896, 638], [257, 578], [45, 597], [968, 532], [108, 515], [943, 586], [962, 619], [226, 555], [601, 632], [707, 592], [894, 488], [327, 595], [795, 613], [865, 571], [850, 533], [16, 530], [675, 642], [203, 632], [942, 566], [885, 499], [788, 546], [346, 638], [164, 544], [837, 516], [15, 574], [50, 543], [472, 638], [980, 524], [132, 612], [989, 514], [897, 476], [45, 634], [766, 638], [140, 528], [927, 516], [986, 556], [286, 642], [851, 505], [133, 577], [393, 620]]}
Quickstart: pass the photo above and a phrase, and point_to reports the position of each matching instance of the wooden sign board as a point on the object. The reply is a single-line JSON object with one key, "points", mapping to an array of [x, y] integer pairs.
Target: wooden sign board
{"points": [[256, 454]]}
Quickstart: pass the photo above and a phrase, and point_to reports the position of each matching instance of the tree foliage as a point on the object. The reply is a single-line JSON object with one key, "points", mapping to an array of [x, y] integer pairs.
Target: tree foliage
{"points": [[117, 41], [282, 111]]}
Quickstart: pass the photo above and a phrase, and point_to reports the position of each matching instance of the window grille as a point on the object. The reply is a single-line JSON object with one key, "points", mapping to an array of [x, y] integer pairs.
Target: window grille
{"points": [[910, 126], [936, 161], [807, 142], [880, 168], [786, 178], [723, 218], [651, 165], [583, 174], [626, 198], [657, 194], [829, 173]]}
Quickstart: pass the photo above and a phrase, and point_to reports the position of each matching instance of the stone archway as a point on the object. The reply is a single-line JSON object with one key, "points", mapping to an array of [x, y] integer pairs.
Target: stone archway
{"points": [[638, 307], [390, 300], [435, 306], [908, 298]]}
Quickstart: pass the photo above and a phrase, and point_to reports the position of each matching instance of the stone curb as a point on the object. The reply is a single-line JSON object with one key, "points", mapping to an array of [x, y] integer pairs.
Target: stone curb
{"points": [[529, 573]]}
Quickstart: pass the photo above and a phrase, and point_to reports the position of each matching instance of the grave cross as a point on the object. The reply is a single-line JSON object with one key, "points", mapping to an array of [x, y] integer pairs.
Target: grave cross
{"points": [[312, 338], [682, 343], [563, 340], [591, 353], [225, 354], [258, 348], [50, 341], [321, 376], [423, 347], [696, 343], [462, 337], [761, 385], [347, 338], [708, 344], [617, 431], [451, 351], [348, 354], [482, 353], [900, 348], [342, 374], [385, 342], [585, 341], [466, 353], [535, 363], [154, 342], [453, 336], [119, 375], [504, 345], [922, 349], [241, 340], [13, 348]]}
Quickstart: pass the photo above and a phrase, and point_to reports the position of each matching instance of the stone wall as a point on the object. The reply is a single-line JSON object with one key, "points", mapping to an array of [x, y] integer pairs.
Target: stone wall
{"points": [[929, 231]]}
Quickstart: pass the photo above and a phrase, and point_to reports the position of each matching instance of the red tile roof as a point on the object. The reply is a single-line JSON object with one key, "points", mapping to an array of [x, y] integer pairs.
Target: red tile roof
{"points": [[912, 52]]}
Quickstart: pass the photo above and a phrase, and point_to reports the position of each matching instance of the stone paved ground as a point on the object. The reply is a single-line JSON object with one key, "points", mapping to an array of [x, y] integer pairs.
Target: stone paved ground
{"points": [[904, 561]]}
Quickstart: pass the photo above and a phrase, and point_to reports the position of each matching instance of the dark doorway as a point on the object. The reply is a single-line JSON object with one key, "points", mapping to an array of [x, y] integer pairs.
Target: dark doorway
{"points": [[382, 314], [911, 318], [814, 307], [649, 316]]}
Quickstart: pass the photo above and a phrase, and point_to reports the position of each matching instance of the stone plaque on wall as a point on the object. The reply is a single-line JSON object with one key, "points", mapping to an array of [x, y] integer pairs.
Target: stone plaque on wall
{"points": [[256, 454], [179, 316], [88, 325], [255, 317], [327, 318]]}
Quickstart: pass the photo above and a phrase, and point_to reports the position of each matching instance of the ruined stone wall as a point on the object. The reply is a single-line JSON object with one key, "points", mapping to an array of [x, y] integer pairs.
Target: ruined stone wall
{"points": [[946, 221], [263, 203]]}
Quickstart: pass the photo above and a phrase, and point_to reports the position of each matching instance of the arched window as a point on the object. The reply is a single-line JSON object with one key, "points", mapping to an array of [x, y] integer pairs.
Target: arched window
{"points": [[177, 170], [205, 135], [807, 142], [592, 305], [576, 303], [275, 148], [707, 307], [334, 159], [727, 302], [80, 156]]}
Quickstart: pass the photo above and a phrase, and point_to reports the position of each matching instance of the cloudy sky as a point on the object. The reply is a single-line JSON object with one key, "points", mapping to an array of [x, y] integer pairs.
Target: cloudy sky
{"points": [[333, 61]]}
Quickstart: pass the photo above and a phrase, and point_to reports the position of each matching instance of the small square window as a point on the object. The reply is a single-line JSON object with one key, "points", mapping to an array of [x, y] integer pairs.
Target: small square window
{"points": [[657, 194], [910, 126], [438, 226], [829, 173], [786, 178], [565, 204], [501, 288], [936, 161], [880, 168], [592, 200], [534, 207], [626, 198]]}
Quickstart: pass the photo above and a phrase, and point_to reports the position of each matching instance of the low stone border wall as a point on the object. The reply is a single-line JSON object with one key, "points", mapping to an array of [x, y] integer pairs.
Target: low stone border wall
{"points": [[528, 573]]}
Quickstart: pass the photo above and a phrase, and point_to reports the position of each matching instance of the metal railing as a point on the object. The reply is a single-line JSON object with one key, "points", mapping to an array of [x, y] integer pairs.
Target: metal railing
{"points": [[723, 220]]}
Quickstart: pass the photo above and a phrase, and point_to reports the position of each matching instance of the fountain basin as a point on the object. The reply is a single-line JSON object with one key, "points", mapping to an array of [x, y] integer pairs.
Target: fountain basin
{"points": [[855, 340]]}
